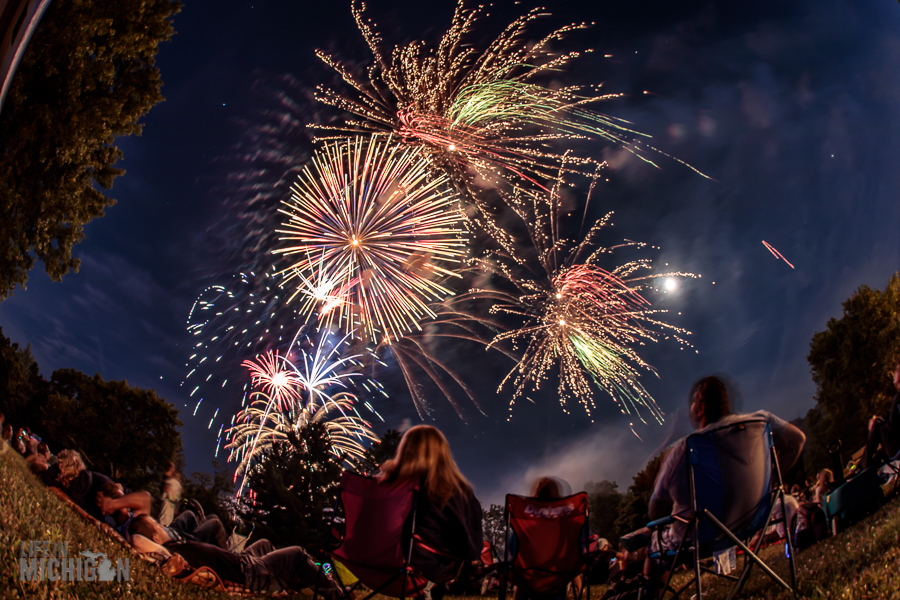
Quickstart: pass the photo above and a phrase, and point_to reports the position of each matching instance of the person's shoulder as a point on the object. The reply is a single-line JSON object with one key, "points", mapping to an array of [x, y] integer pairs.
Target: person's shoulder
{"points": [[768, 417]]}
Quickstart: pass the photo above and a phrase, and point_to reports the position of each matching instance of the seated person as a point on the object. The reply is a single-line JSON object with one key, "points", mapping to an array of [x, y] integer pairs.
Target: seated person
{"points": [[824, 486], [885, 431], [448, 516], [171, 495], [261, 568], [709, 408], [549, 488]]}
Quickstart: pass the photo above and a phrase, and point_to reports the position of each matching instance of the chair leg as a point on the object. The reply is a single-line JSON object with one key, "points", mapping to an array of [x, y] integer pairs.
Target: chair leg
{"points": [[404, 580], [697, 558]]}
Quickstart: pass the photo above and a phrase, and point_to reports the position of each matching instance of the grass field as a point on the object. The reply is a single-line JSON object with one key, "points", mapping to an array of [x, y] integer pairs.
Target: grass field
{"points": [[862, 562]]}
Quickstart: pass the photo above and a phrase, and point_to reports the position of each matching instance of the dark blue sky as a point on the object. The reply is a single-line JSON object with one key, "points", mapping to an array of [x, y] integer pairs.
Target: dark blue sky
{"points": [[792, 107]]}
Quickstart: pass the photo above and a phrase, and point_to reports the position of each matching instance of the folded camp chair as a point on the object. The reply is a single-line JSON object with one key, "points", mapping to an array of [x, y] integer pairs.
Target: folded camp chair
{"points": [[375, 540], [546, 544], [735, 482]]}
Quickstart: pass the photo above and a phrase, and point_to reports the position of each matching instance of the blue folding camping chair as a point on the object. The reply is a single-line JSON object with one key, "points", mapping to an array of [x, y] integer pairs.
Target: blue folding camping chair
{"points": [[735, 483]]}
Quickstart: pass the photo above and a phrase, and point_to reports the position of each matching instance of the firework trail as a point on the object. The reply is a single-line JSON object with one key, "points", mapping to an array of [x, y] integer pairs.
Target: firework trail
{"points": [[320, 389], [776, 253], [374, 238], [241, 310]]}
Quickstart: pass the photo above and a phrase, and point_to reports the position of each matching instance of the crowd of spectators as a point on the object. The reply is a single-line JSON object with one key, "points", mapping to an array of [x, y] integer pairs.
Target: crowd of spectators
{"points": [[196, 541], [448, 515], [28, 444]]}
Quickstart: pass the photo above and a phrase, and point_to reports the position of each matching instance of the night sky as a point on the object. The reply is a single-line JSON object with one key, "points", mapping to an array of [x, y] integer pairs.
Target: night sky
{"points": [[791, 107]]}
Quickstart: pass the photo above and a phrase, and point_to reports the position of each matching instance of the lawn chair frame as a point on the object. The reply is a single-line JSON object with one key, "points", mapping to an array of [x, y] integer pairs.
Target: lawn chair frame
{"points": [[404, 572], [506, 567], [698, 550]]}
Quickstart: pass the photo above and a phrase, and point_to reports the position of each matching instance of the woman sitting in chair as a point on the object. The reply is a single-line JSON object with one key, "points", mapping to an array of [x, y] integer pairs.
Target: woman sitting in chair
{"points": [[448, 516]]}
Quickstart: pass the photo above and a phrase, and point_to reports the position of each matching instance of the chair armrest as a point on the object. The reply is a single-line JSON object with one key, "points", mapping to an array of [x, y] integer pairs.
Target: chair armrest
{"points": [[667, 520]]}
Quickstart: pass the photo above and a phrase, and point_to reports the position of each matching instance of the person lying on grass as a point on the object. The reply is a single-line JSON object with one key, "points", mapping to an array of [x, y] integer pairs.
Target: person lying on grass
{"points": [[260, 567], [123, 508]]}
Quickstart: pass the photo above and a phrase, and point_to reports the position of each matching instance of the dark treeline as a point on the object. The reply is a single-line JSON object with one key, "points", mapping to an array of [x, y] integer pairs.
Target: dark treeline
{"points": [[122, 431]]}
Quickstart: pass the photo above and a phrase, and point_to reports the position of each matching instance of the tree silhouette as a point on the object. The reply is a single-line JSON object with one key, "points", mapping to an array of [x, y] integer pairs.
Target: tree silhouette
{"points": [[87, 77], [852, 362], [125, 432], [291, 487]]}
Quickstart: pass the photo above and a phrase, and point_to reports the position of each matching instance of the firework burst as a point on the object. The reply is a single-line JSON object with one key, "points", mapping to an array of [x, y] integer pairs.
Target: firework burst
{"points": [[577, 315], [483, 117], [320, 389], [373, 236]]}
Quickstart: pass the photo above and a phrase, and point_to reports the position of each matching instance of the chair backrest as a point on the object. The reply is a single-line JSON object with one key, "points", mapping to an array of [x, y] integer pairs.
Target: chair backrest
{"points": [[375, 515], [550, 540], [731, 471]]}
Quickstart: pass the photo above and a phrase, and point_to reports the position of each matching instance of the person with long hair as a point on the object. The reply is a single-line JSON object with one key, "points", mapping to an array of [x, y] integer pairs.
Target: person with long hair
{"points": [[448, 516]]}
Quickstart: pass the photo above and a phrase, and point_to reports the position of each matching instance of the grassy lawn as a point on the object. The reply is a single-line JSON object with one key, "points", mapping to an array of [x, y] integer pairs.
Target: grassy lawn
{"points": [[28, 511], [862, 562]]}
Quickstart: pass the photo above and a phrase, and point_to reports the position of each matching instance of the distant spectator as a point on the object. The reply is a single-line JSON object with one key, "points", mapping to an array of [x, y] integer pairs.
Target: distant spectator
{"points": [[823, 486], [171, 495], [18, 442], [7, 433], [44, 450], [37, 461]]}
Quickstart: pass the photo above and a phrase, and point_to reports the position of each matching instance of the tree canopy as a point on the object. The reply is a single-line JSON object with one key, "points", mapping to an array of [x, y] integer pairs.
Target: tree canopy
{"points": [[605, 500], [20, 383], [128, 432], [852, 362], [87, 77], [380, 452], [291, 488]]}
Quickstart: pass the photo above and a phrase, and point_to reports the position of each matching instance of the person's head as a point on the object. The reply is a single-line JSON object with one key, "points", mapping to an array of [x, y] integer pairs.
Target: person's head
{"points": [[111, 489], [70, 466], [424, 454], [825, 476], [170, 470], [147, 526], [43, 450], [795, 489], [546, 488], [708, 402]]}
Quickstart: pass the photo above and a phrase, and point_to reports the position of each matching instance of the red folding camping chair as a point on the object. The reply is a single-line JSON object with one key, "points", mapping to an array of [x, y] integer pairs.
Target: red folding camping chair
{"points": [[546, 544], [376, 538]]}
